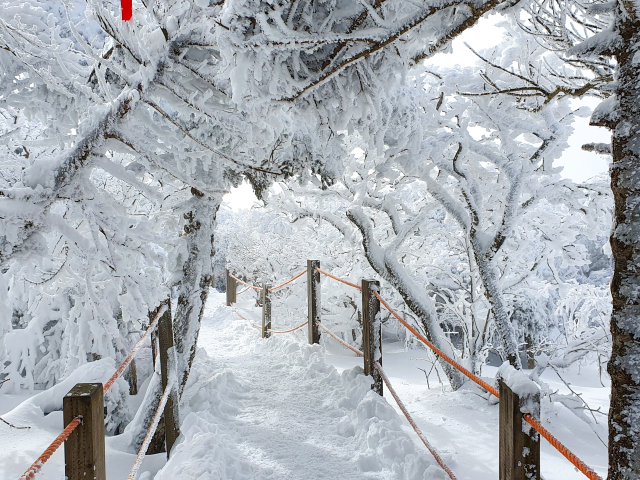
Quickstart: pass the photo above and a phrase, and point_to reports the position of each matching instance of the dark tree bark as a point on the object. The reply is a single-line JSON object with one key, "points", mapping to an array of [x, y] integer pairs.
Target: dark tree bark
{"points": [[193, 288], [624, 365]]}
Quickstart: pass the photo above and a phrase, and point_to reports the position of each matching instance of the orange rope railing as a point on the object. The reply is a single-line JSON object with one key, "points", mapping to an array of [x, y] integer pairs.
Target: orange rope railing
{"points": [[339, 279], [60, 439], [579, 464], [127, 360], [433, 451], [273, 331], [289, 281], [271, 289], [445, 357], [398, 401], [353, 349], [133, 474], [287, 331], [240, 293], [221, 273], [252, 324], [37, 465], [245, 283]]}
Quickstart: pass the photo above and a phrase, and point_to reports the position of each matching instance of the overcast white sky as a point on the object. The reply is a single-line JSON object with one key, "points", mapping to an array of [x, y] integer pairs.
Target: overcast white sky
{"points": [[578, 164]]}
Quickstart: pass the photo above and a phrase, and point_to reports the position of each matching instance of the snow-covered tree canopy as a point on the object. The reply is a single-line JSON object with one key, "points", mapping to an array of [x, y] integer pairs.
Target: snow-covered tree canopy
{"points": [[484, 161], [176, 106], [120, 139]]}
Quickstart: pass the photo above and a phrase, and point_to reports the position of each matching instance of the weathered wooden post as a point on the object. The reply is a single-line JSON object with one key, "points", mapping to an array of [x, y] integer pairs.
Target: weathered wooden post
{"points": [[371, 332], [232, 287], [266, 312], [84, 449], [168, 427], [167, 369], [314, 300], [519, 442]]}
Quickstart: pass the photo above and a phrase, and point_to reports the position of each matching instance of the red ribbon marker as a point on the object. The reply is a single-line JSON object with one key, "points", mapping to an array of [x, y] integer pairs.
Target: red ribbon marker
{"points": [[127, 9]]}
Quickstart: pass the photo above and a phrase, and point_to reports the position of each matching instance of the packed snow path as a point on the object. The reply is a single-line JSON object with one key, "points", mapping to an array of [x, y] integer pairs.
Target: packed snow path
{"points": [[272, 409]]}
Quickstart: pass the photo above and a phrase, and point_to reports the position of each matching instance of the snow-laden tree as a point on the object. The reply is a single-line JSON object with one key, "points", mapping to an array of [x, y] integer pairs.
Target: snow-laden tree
{"points": [[178, 89], [83, 289], [489, 164], [174, 85], [204, 92], [493, 180], [599, 42]]}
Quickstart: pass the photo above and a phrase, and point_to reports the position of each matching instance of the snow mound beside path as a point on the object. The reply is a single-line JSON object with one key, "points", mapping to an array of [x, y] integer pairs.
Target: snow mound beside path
{"points": [[272, 408]]}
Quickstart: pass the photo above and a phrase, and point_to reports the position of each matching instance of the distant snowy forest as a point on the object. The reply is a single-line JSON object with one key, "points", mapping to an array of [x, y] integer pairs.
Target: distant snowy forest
{"points": [[120, 139]]}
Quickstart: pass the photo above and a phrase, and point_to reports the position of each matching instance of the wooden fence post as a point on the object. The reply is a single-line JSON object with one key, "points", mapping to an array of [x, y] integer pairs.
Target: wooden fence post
{"points": [[519, 442], [84, 449], [371, 332], [266, 312], [232, 287], [314, 300], [168, 427], [167, 369]]}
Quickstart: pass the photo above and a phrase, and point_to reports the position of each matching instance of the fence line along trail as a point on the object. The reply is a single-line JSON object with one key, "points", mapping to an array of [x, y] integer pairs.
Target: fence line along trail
{"points": [[263, 406], [272, 409]]}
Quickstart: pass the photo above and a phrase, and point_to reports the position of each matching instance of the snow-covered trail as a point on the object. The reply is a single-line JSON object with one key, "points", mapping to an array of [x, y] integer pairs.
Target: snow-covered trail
{"points": [[279, 408], [273, 409]]}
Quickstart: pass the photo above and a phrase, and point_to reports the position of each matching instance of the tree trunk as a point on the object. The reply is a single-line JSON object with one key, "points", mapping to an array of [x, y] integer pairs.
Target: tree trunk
{"points": [[490, 281], [413, 295], [624, 413], [193, 288]]}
